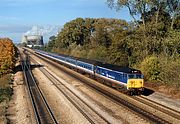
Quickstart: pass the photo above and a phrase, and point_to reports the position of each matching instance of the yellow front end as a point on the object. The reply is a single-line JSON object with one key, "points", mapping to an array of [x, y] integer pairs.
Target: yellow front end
{"points": [[135, 83]]}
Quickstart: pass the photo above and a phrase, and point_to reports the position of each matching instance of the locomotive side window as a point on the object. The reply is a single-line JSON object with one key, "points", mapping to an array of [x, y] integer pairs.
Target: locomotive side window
{"points": [[131, 76], [138, 76], [118, 77], [135, 76]]}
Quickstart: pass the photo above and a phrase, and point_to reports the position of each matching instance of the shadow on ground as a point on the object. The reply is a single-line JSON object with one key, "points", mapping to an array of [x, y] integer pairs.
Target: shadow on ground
{"points": [[36, 66], [17, 69], [147, 92]]}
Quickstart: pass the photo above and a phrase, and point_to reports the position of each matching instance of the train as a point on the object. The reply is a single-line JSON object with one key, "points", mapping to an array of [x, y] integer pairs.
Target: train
{"points": [[126, 79]]}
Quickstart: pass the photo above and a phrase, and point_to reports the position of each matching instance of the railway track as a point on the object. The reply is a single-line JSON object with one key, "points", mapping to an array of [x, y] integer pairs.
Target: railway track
{"points": [[167, 110], [84, 108], [143, 109], [42, 111]]}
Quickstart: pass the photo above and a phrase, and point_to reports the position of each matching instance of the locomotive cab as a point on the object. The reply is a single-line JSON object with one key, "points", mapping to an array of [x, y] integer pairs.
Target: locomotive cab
{"points": [[135, 83]]}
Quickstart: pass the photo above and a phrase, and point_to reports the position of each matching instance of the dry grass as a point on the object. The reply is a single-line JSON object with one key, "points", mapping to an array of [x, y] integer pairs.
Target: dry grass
{"points": [[5, 81], [5, 93], [165, 89], [5, 89], [3, 119]]}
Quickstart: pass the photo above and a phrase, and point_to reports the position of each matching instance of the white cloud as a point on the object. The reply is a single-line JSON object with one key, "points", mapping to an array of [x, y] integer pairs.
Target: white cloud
{"points": [[13, 28], [46, 31], [32, 2], [9, 18], [41, 30], [23, 2], [17, 31], [13, 31]]}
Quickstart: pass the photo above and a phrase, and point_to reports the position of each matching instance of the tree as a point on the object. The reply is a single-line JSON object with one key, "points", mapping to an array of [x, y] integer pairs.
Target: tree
{"points": [[51, 43], [7, 56], [135, 7], [174, 10], [76, 31]]}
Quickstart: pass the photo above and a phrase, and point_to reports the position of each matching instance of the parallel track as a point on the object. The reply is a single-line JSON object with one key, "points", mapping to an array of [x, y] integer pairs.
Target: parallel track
{"points": [[73, 98], [167, 110], [138, 110], [42, 111]]}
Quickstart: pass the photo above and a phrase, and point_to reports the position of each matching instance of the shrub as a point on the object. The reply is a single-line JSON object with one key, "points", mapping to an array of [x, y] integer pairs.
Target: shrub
{"points": [[5, 89], [5, 94], [7, 56], [170, 72], [98, 53], [151, 69]]}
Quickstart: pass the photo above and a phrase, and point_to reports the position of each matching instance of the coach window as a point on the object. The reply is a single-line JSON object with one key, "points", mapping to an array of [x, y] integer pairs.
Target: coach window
{"points": [[97, 70], [100, 71]]}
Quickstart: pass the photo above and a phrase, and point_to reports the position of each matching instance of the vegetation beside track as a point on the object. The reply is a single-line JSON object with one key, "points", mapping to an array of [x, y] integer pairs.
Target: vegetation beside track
{"points": [[7, 57], [7, 63], [149, 43], [5, 89]]}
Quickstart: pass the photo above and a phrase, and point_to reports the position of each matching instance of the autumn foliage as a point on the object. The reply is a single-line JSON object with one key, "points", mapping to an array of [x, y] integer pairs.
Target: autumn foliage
{"points": [[7, 55]]}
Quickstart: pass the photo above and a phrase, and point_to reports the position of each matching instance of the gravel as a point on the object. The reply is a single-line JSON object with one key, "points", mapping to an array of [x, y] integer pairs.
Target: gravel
{"points": [[19, 109], [64, 111], [165, 100], [105, 107]]}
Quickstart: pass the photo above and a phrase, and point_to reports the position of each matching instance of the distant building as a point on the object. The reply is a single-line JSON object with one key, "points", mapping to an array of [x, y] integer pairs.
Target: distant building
{"points": [[33, 40]]}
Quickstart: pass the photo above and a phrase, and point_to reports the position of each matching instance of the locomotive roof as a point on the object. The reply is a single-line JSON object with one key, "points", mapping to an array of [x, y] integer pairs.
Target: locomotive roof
{"points": [[120, 68]]}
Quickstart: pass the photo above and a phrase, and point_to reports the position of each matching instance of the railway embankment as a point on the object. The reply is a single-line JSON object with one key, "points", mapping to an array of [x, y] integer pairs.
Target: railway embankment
{"points": [[5, 95], [157, 97], [167, 90], [18, 109], [8, 59]]}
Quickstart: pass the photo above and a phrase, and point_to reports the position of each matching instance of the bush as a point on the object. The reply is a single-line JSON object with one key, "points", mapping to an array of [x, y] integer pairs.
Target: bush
{"points": [[151, 69], [5, 89], [78, 51], [170, 72], [7, 56], [162, 69], [5, 94], [98, 53]]}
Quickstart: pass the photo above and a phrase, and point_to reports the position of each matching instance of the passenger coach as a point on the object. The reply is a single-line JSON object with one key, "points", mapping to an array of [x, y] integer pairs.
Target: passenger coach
{"points": [[120, 77]]}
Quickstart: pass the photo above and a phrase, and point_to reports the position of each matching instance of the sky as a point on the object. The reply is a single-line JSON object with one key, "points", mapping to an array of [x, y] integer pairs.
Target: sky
{"points": [[18, 17]]}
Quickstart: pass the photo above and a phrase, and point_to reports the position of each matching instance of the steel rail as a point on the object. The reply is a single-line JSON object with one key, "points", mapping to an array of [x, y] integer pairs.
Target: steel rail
{"points": [[165, 109], [130, 106], [57, 82], [42, 111], [29, 92]]}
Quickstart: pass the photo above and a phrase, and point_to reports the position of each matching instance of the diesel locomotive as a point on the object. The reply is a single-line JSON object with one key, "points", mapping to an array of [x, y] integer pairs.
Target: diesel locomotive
{"points": [[128, 79]]}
